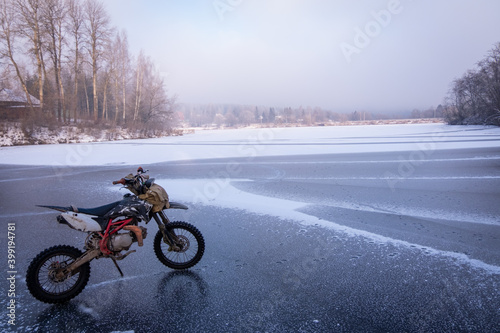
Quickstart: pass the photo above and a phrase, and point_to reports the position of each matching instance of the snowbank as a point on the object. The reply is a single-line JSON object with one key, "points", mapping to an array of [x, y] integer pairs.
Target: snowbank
{"points": [[12, 134]]}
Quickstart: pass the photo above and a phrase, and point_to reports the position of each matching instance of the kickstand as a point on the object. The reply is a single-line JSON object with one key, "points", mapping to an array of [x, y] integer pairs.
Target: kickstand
{"points": [[116, 264]]}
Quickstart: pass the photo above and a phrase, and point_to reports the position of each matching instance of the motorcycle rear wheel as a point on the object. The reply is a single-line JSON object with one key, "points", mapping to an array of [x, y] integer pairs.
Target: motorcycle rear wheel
{"points": [[43, 282], [191, 246]]}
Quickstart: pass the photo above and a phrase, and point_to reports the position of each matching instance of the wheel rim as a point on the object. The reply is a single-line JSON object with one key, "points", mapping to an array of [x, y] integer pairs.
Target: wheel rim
{"points": [[187, 251], [51, 278], [183, 242]]}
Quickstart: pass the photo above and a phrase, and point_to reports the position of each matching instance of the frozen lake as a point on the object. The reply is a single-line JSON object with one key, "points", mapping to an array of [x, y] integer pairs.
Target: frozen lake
{"points": [[349, 229], [249, 143]]}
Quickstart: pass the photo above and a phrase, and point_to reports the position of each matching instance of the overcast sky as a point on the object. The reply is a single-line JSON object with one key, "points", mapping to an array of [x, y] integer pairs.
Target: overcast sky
{"points": [[343, 55]]}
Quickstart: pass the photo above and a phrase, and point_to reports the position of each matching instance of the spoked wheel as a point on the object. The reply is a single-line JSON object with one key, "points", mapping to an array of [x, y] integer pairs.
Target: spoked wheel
{"points": [[46, 279], [188, 248]]}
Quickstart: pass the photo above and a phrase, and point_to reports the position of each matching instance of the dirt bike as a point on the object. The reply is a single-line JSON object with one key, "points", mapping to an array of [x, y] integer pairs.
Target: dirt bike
{"points": [[61, 272]]}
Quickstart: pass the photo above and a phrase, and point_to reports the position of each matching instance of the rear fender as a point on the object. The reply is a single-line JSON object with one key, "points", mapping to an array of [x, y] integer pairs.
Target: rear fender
{"points": [[79, 221]]}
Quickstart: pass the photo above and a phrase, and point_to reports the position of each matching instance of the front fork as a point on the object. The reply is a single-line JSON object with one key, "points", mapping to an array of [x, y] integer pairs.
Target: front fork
{"points": [[162, 220]]}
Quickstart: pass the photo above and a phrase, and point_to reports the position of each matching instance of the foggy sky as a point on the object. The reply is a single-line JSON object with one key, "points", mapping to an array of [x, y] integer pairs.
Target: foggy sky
{"points": [[390, 55]]}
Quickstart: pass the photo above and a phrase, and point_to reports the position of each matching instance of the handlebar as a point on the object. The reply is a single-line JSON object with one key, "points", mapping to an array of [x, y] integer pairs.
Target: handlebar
{"points": [[140, 170], [124, 181], [121, 181]]}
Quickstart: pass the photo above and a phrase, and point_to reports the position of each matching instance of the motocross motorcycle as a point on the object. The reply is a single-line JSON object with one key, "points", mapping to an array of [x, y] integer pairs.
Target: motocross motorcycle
{"points": [[61, 272]]}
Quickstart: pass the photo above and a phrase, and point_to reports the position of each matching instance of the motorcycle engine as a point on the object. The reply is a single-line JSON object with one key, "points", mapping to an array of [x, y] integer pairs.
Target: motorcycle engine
{"points": [[120, 241]]}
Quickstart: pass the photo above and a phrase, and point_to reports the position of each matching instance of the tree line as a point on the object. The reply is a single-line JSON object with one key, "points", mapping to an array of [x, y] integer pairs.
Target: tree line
{"points": [[474, 98], [219, 115], [67, 54]]}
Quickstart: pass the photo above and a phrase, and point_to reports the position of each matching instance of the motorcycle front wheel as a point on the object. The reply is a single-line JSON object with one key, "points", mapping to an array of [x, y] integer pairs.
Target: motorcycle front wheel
{"points": [[45, 278], [188, 248]]}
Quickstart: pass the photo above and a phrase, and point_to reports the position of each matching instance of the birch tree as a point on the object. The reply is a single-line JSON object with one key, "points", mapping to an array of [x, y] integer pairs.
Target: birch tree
{"points": [[53, 14], [74, 27], [29, 11], [98, 32], [120, 60], [139, 75], [8, 19], [56, 46], [123, 68]]}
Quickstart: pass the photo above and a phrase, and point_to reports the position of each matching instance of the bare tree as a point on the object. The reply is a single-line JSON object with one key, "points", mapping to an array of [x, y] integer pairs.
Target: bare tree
{"points": [[153, 107], [74, 26], [8, 19], [87, 102], [53, 15], [475, 96], [107, 75], [490, 69], [74, 36], [29, 11], [247, 117], [121, 67], [98, 32], [139, 79]]}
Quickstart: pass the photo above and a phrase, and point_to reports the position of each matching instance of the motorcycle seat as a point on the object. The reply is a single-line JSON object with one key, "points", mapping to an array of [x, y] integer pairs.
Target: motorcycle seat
{"points": [[97, 211]]}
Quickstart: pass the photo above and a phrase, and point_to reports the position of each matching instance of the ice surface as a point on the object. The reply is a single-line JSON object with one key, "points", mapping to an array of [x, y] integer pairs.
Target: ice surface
{"points": [[250, 143], [264, 227], [257, 142], [227, 196]]}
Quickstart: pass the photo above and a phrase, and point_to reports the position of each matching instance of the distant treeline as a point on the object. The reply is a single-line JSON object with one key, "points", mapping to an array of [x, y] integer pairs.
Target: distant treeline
{"points": [[79, 67], [229, 115], [474, 99]]}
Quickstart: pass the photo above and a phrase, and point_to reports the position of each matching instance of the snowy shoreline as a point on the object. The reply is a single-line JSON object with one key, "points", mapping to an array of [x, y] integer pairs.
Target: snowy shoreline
{"points": [[12, 134]]}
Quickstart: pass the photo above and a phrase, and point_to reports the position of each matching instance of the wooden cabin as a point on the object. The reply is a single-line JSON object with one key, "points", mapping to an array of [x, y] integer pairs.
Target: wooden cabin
{"points": [[14, 106]]}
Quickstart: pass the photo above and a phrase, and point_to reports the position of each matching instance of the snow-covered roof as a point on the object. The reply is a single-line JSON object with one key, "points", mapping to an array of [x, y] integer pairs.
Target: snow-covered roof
{"points": [[9, 96]]}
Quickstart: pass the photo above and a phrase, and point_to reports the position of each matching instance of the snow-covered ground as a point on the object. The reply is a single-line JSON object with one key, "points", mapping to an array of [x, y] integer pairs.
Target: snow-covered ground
{"points": [[247, 143], [12, 134]]}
